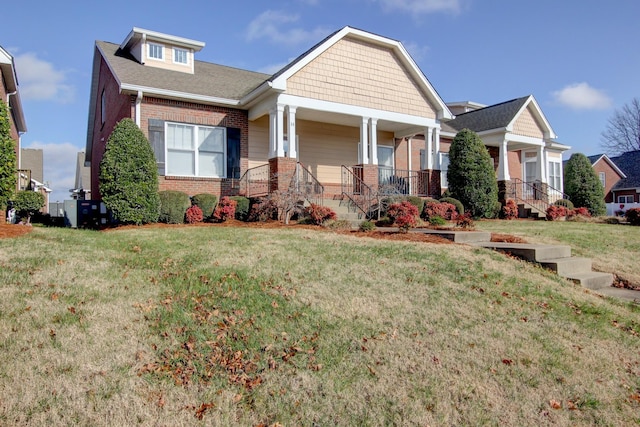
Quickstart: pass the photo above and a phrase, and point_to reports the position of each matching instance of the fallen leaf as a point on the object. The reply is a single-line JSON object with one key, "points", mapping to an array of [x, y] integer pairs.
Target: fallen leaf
{"points": [[555, 404], [507, 362]]}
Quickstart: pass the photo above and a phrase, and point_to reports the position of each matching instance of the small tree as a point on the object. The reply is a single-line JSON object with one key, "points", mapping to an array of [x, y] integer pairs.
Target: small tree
{"points": [[8, 171], [129, 176], [471, 177], [27, 203], [583, 186]]}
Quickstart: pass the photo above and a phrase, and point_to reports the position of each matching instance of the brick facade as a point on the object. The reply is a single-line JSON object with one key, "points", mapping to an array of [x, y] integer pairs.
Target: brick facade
{"points": [[611, 178]]}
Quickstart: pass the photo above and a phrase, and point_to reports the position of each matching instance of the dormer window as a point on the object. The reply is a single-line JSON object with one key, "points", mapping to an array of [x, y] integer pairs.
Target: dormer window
{"points": [[156, 51], [180, 56]]}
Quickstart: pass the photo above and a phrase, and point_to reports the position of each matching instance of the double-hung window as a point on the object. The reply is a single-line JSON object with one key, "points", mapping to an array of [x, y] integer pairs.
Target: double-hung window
{"points": [[603, 178], [444, 169], [555, 175], [196, 150], [156, 51], [625, 199], [180, 56]]}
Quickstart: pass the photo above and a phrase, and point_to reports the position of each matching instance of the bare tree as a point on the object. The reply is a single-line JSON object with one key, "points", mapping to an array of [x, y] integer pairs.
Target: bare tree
{"points": [[622, 133]]}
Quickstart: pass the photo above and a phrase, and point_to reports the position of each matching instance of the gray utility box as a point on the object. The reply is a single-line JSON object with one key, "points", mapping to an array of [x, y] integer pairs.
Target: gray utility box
{"points": [[85, 214]]}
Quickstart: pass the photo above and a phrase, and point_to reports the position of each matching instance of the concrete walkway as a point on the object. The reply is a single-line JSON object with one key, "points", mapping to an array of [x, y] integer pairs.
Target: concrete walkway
{"points": [[556, 258]]}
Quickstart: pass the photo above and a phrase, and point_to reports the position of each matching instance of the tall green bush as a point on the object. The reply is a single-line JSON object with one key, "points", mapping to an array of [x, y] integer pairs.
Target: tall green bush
{"points": [[583, 186], [8, 168], [129, 176], [206, 202], [471, 177], [173, 206]]}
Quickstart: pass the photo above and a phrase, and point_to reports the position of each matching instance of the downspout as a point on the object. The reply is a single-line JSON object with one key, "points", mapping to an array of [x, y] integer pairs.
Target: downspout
{"points": [[138, 103]]}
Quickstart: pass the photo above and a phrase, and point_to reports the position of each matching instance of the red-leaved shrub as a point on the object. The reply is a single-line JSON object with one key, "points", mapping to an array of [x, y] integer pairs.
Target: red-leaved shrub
{"points": [[194, 215], [465, 221], [633, 216], [582, 212], [510, 209], [319, 214], [225, 210], [444, 210], [556, 212], [404, 215]]}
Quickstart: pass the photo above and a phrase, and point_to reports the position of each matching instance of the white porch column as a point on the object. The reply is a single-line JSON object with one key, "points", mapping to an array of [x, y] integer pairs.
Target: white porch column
{"points": [[542, 164], [373, 139], [280, 130], [273, 132], [503, 164], [428, 148], [291, 131], [364, 141], [436, 149]]}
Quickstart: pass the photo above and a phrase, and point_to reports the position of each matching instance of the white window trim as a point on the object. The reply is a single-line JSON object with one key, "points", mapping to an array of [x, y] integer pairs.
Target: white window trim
{"points": [[549, 170], [186, 53], [195, 150], [103, 108], [625, 199], [603, 178], [443, 173], [162, 48]]}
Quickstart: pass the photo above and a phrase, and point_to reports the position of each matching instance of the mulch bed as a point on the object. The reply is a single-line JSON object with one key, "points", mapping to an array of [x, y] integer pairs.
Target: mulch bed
{"points": [[13, 230]]}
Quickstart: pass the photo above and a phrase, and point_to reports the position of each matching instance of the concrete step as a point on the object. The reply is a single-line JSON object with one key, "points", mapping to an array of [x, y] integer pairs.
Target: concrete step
{"points": [[457, 236], [592, 279], [565, 267], [626, 294], [528, 251]]}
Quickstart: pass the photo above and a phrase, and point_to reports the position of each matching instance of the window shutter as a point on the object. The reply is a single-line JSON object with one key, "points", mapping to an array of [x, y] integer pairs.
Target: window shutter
{"points": [[233, 153], [156, 138]]}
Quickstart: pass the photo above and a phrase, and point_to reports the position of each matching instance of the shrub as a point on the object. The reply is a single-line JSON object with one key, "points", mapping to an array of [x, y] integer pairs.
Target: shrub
{"points": [[403, 214], [582, 212], [129, 176], [583, 185], [418, 202], [263, 209], [173, 206], [510, 209], [225, 210], [556, 212], [465, 221], [27, 203], [338, 224], [446, 211], [318, 214], [194, 215], [471, 177], [564, 202], [633, 216], [367, 226], [437, 221], [7, 157], [242, 207], [454, 202], [206, 202]]}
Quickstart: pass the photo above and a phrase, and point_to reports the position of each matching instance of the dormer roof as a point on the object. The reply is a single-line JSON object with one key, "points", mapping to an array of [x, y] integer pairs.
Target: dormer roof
{"points": [[139, 34]]}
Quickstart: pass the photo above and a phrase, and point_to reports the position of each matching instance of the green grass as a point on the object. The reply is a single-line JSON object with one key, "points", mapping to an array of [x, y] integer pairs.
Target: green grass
{"points": [[240, 326]]}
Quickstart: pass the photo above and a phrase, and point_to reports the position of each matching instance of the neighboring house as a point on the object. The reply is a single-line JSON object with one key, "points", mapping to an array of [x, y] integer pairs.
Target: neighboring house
{"points": [[353, 115], [10, 95], [82, 185], [32, 174], [627, 189], [608, 173]]}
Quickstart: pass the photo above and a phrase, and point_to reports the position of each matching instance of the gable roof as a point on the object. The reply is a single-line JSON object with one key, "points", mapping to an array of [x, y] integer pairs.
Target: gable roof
{"points": [[500, 116], [597, 157], [629, 163]]}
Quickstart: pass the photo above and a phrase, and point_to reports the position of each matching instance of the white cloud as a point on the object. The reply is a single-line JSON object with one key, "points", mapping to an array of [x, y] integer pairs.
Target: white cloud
{"points": [[581, 96], [39, 80], [276, 27], [421, 6], [417, 51], [59, 167], [274, 68]]}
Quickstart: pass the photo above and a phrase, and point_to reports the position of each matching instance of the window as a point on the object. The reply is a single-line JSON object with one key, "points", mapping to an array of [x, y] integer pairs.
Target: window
{"points": [[444, 167], [196, 150], [156, 51], [625, 199], [180, 56], [555, 175], [103, 108], [603, 178]]}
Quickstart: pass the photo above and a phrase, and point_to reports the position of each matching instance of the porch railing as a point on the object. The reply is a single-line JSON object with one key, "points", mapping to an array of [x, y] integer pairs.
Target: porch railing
{"points": [[537, 194], [256, 181], [402, 182], [362, 196], [306, 184]]}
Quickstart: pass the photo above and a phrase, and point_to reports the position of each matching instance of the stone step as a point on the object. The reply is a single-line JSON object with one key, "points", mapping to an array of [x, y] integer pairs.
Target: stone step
{"points": [[626, 294], [592, 280], [565, 267], [457, 236], [529, 252]]}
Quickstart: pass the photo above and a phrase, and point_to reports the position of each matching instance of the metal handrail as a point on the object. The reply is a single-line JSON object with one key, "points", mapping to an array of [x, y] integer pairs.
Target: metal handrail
{"points": [[538, 195], [357, 191], [255, 181], [305, 183]]}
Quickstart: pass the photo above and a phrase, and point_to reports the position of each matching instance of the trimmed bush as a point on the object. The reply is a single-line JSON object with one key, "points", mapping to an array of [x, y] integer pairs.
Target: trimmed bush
{"points": [[583, 185], [633, 216], [404, 215], [444, 210], [173, 206], [564, 202], [367, 226], [129, 176], [318, 214], [418, 202], [206, 202], [242, 207], [510, 209], [193, 215], [471, 177], [27, 203], [225, 210], [556, 212], [437, 221], [454, 202]]}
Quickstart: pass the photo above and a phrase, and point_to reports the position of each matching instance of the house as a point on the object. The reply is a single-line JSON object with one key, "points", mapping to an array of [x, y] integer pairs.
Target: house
{"points": [[10, 95], [31, 175], [351, 117], [82, 183], [608, 173], [627, 189]]}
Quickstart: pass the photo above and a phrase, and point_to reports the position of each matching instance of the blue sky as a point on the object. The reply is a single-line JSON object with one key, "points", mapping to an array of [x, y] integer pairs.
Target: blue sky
{"points": [[579, 58]]}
